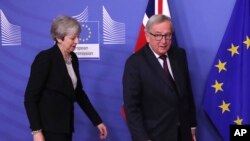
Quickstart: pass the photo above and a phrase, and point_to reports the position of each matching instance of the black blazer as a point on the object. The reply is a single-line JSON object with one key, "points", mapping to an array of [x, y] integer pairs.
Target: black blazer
{"points": [[154, 108], [50, 95]]}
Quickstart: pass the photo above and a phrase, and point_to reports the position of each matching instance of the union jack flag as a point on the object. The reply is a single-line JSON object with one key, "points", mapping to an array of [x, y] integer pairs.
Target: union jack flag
{"points": [[153, 7]]}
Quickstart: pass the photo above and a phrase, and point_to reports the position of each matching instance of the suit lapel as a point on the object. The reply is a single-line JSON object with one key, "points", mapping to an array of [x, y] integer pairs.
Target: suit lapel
{"points": [[76, 68], [156, 66], [175, 69], [59, 62]]}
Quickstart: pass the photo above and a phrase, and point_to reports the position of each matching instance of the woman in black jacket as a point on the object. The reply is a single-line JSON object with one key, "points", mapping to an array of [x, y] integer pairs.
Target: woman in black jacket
{"points": [[55, 84]]}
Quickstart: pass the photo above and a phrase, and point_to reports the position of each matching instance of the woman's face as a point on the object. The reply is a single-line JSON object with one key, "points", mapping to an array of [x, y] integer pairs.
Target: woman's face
{"points": [[68, 44]]}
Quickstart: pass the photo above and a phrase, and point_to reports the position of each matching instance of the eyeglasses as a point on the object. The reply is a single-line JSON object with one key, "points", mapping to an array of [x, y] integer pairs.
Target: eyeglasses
{"points": [[158, 37]]}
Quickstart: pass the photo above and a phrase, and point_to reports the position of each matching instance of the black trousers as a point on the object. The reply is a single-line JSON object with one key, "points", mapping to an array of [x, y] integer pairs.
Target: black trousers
{"points": [[50, 136], [179, 134]]}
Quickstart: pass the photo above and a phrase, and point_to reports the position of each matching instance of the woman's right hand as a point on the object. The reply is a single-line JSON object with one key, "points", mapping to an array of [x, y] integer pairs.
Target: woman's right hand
{"points": [[38, 137]]}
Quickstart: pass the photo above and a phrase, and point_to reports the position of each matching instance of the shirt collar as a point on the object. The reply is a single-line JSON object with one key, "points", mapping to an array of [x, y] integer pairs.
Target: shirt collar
{"points": [[156, 55]]}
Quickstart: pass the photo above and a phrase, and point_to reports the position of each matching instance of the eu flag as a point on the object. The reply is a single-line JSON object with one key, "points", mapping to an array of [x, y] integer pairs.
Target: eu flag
{"points": [[227, 94], [90, 32]]}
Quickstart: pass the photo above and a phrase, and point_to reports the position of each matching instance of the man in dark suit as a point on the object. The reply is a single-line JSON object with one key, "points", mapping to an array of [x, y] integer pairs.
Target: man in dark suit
{"points": [[157, 92]]}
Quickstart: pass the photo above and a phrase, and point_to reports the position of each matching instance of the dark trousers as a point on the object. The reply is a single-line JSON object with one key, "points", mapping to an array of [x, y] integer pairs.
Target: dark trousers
{"points": [[179, 134], [49, 136]]}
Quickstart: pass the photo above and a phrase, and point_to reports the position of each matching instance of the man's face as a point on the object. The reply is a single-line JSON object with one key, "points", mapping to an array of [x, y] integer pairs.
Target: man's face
{"points": [[160, 37]]}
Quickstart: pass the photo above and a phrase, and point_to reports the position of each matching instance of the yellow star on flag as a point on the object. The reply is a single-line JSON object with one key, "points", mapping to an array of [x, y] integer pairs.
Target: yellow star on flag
{"points": [[233, 50], [217, 86], [224, 106], [247, 42], [221, 66], [238, 121]]}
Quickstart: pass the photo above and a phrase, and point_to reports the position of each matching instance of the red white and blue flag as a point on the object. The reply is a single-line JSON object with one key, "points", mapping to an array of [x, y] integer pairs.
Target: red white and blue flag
{"points": [[153, 7]]}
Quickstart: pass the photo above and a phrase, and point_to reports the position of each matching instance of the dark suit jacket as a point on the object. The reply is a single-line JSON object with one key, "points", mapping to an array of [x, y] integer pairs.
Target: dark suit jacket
{"points": [[154, 108], [50, 95]]}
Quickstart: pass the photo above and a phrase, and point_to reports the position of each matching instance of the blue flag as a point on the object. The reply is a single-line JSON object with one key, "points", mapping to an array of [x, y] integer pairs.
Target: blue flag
{"points": [[89, 34], [227, 95]]}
